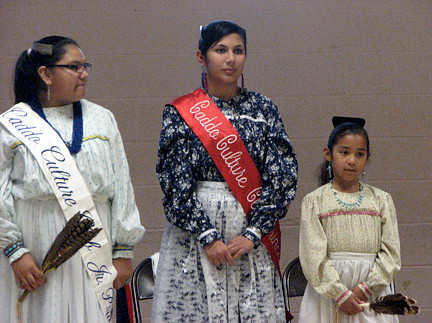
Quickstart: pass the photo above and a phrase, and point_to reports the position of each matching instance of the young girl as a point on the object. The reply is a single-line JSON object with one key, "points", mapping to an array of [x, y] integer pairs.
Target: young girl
{"points": [[349, 241]]}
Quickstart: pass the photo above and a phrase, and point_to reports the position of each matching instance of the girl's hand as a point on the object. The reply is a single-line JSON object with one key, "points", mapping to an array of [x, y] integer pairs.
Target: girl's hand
{"points": [[124, 271], [239, 246], [27, 274], [218, 253], [359, 293], [351, 305]]}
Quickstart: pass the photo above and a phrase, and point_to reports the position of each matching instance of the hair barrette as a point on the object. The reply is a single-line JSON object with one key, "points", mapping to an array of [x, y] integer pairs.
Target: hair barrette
{"points": [[41, 48], [338, 120]]}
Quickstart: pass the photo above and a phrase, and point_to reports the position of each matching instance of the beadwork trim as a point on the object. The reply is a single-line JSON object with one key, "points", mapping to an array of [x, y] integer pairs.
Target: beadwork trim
{"points": [[349, 213], [12, 248], [344, 296], [348, 205], [364, 289], [122, 247]]}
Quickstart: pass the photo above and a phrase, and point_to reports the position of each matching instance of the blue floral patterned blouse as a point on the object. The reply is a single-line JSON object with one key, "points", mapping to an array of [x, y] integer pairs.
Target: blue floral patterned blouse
{"points": [[183, 161]]}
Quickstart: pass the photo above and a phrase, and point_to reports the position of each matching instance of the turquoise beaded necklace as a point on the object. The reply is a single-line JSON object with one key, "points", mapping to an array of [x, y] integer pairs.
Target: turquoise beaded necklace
{"points": [[345, 204]]}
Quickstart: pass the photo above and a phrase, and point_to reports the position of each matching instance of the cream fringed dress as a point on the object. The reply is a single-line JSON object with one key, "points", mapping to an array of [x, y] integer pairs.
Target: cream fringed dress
{"points": [[30, 212], [344, 247]]}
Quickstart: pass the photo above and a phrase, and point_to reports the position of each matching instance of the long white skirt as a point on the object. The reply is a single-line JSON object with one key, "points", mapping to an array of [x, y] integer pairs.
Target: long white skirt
{"points": [[191, 289], [353, 268], [68, 296]]}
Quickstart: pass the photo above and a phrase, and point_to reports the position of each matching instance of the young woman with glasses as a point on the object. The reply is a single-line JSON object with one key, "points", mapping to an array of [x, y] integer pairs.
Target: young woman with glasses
{"points": [[50, 78]]}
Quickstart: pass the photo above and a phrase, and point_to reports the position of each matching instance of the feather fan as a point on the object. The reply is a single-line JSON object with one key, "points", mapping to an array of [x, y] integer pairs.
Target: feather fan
{"points": [[76, 233], [397, 304]]}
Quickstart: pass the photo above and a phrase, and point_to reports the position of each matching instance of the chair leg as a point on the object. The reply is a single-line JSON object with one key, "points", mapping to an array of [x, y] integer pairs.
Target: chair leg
{"points": [[136, 306], [288, 307]]}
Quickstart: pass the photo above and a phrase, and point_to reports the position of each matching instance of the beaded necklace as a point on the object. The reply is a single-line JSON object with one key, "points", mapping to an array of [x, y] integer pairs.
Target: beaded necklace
{"points": [[344, 204], [77, 131]]}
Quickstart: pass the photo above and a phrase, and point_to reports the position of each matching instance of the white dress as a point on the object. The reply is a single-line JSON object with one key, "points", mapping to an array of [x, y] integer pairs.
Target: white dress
{"points": [[29, 212], [341, 248]]}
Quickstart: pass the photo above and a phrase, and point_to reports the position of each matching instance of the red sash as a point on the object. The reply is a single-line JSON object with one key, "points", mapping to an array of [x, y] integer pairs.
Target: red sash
{"points": [[230, 155]]}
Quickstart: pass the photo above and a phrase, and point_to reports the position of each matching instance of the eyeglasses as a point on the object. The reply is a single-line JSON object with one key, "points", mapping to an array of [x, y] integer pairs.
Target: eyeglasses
{"points": [[77, 68]]}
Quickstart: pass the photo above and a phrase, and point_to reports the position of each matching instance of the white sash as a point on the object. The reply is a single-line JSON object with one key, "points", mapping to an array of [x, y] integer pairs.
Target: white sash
{"points": [[71, 191]]}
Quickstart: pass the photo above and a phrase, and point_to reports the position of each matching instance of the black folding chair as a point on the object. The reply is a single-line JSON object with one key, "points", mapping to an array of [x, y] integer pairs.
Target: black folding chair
{"points": [[142, 285], [293, 281]]}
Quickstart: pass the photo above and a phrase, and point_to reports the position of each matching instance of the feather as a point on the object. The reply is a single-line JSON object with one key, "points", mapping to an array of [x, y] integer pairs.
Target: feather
{"points": [[76, 233], [397, 304]]}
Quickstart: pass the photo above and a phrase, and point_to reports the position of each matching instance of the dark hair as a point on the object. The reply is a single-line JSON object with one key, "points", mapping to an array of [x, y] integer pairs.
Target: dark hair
{"points": [[215, 31], [28, 83], [342, 130]]}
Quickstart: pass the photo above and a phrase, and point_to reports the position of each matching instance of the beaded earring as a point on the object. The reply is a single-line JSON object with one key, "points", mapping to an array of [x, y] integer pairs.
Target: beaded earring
{"points": [[329, 169], [204, 82], [48, 93]]}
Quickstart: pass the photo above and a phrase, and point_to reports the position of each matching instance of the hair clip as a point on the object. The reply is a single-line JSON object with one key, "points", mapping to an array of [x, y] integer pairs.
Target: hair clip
{"points": [[41, 48]]}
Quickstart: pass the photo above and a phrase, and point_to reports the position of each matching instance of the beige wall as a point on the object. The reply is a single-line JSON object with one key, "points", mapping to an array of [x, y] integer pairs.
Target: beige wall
{"points": [[314, 58]]}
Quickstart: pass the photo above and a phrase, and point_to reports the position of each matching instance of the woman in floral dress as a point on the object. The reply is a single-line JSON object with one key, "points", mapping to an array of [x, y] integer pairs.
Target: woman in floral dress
{"points": [[213, 266]]}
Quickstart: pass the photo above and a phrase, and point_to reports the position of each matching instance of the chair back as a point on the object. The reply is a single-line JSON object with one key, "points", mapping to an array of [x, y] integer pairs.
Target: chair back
{"points": [[293, 281], [142, 285]]}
